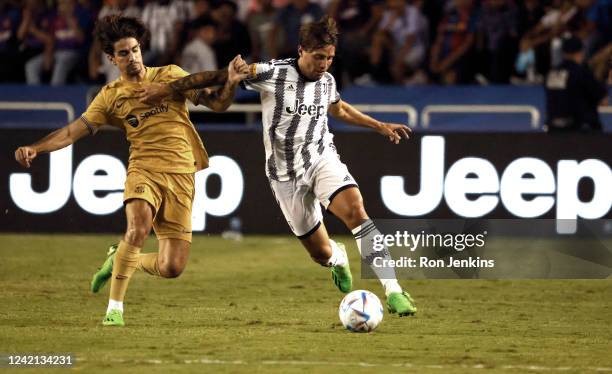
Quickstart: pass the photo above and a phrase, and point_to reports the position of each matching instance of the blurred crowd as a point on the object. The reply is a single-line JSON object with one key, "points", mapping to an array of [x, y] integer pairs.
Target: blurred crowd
{"points": [[382, 41]]}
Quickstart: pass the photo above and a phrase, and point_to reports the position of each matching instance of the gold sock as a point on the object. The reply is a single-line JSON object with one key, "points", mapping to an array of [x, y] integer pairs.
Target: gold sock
{"points": [[126, 262], [149, 263]]}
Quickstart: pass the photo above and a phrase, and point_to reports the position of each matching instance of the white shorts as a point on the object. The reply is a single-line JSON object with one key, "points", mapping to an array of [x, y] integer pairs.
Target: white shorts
{"points": [[299, 198]]}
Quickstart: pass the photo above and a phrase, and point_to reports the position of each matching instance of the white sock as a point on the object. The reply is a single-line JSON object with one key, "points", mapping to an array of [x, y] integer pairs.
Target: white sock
{"points": [[114, 304], [390, 286], [338, 257], [363, 234]]}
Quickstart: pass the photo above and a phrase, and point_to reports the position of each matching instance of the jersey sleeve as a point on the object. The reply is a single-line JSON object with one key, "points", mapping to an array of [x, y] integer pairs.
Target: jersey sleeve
{"points": [[175, 72], [98, 112], [334, 96], [260, 77]]}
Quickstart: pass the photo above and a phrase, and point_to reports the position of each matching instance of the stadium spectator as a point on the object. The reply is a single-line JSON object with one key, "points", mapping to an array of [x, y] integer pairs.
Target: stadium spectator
{"points": [[201, 8], [323, 4], [433, 10], [451, 54], [600, 14], [357, 20], [98, 62], [165, 19], [498, 40], [601, 63], [198, 54], [92, 6], [529, 14], [491, 37], [243, 9], [572, 92], [540, 47], [9, 53], [126, 8], [232, 36], [287, 26], [260, 23], [579, 26], [36, 41], [400, 42], [254, 5], [69, 27]]}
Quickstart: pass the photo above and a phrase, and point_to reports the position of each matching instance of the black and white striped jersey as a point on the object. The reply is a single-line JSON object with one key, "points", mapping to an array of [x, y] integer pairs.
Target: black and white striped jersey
{"points": [[294, 115]]}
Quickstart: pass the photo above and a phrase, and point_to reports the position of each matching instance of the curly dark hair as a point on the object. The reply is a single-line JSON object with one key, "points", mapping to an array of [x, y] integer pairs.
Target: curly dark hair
{"points": [[319, 34], [110, 29]]}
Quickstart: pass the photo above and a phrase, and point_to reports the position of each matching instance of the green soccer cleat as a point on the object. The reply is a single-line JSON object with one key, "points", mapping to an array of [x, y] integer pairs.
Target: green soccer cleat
{"points": [[401, 303], [104, 273], [113, 318], [342, 274]]}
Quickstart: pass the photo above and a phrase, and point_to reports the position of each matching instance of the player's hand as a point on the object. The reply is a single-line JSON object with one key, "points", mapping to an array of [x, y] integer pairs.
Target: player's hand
{"points": [[153, 93], [237, 70], [24, 155], [394, 131], [241, 66]]}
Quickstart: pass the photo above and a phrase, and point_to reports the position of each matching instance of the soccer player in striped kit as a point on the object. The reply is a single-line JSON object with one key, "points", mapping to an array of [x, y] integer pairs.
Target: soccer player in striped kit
{"points": [[302, 165]]}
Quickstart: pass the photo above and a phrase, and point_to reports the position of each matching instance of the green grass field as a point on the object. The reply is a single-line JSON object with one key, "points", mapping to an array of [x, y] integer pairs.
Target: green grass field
{"points": [[261, 305]]}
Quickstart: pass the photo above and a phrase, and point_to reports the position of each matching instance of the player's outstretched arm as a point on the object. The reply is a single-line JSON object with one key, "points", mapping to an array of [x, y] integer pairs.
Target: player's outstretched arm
{"points": [[58, 139], [219, 100], [345, 112], [199, 80], [154, 93]]}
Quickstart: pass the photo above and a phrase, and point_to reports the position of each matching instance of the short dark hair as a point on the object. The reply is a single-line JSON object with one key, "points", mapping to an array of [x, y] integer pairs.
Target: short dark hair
{"points": [[220, 3], [203, 21], [571, 45], [319, 34], [110, 29]]}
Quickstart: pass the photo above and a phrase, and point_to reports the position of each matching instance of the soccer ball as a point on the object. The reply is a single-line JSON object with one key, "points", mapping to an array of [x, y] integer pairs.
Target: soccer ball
{"points": [[360, 311]]}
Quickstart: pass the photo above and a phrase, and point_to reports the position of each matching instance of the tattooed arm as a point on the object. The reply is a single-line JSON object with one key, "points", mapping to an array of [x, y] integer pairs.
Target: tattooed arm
{"points": [[154, 93], [199, 80], [219, 100]]}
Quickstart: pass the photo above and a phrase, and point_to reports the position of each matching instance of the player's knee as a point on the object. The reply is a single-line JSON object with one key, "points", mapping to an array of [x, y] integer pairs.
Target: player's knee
{"points": [[171, 269], [136, 235], [355, 214]]}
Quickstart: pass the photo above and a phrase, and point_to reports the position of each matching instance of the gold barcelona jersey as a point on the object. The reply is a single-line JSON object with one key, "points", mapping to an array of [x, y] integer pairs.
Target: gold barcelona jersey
{"points": [[162, 138]]}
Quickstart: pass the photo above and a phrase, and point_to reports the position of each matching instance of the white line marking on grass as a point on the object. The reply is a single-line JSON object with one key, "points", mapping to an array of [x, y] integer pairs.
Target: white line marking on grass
{"points": [[209, 361], [215, 362]]}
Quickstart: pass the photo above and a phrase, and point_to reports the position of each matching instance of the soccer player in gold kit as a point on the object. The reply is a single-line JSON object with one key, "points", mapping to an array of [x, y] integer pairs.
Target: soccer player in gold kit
{"points": [[165, 153]]}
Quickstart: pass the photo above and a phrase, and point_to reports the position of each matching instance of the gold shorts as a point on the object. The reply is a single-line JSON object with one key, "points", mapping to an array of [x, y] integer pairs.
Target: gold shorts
{"points": [[171, 196]]}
